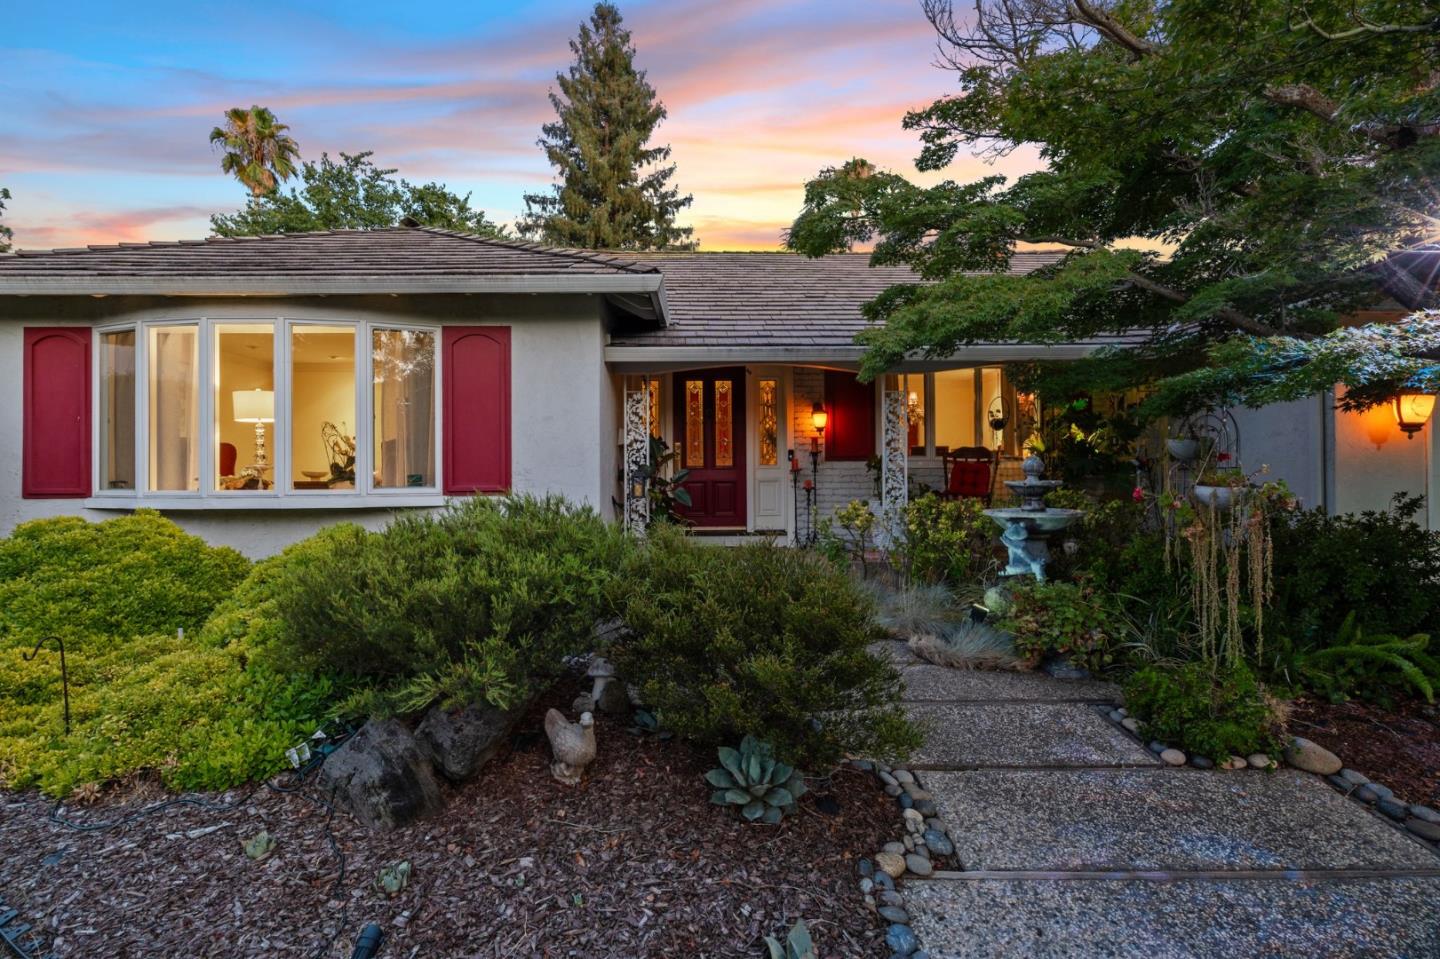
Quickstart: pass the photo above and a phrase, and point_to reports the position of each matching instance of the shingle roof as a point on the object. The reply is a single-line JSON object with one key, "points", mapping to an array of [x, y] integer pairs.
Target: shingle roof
{"points": [[1413, 276], [332, 258], [773, 299]]}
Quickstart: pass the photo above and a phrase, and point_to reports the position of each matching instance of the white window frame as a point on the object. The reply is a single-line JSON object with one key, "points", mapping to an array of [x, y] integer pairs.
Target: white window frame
{"points": [[281, 495]]}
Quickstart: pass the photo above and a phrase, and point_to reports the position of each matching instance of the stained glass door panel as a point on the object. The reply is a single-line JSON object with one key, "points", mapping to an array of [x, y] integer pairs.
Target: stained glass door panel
{"points": [[710, 432]]}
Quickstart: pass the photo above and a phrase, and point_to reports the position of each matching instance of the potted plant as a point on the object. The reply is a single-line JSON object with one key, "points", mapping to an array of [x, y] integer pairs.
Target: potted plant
{"points": [[1184, 446], [1220, 487]]}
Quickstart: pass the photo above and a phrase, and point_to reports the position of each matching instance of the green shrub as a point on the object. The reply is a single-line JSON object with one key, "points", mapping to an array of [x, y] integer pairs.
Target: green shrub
{"points": [[1061, 619], [191, 709], [1383, 566], [120, 578], [855, 538], [1208, 711], [949, 541], [186, 711], [479, 602], [758, 640]]}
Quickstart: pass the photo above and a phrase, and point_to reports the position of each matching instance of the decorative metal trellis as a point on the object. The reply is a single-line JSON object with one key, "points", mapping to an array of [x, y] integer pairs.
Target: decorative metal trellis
{"points": [[894, 464], [636, 454]]}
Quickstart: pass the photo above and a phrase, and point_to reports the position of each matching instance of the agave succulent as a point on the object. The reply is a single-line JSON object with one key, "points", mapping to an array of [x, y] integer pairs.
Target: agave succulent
{"points": [[751, 778], [797, 944]]}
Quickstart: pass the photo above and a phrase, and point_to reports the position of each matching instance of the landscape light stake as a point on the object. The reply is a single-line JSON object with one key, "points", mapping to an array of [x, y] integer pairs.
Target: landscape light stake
{"points": [[64, 673]]}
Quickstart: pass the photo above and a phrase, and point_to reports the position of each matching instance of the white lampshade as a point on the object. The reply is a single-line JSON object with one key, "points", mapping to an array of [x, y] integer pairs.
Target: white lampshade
{"points": [[254, 406]]}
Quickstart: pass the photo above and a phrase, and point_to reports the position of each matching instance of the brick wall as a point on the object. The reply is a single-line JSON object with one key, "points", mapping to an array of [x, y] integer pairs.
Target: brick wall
{"points": [[838, 483]]}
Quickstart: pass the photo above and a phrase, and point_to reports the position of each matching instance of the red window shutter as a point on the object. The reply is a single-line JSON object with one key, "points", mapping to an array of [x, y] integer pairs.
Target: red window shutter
{"points": [[476, 372], [850, 433], [56, 440]]}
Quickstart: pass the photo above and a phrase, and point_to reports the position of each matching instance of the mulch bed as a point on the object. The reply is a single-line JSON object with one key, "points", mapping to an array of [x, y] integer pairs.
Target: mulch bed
{"points": [[633, 862], [1398, 747]]}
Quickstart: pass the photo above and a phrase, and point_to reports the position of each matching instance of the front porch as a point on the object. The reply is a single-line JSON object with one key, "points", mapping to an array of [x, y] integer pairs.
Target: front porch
{"points": [[762, 461]]}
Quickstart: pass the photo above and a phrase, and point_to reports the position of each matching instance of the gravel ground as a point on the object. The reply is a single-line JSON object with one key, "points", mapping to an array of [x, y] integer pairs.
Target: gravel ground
{"points": [[1397, 747], [633, 862]]}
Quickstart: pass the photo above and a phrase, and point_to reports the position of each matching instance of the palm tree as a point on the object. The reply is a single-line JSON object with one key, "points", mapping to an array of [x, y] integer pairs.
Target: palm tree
{"points": [[257, 150]]}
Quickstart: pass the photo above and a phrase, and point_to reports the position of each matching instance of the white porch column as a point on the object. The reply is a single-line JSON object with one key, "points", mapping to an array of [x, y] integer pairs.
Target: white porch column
{"points": [[894, 458], [636, 453]]}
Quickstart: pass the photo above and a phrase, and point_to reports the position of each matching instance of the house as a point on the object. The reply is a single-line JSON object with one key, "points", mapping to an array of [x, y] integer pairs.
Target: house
{"points": [[254, 389]]}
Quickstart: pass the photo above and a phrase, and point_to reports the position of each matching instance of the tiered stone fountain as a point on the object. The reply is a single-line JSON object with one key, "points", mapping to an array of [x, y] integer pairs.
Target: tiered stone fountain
{"points": [[1027, 528]]}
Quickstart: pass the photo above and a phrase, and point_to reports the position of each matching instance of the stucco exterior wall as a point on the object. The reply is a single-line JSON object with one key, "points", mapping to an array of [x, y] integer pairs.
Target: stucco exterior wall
{"points": [[1289, 438], [1344, 462], [1373, 461], [560, 399]]}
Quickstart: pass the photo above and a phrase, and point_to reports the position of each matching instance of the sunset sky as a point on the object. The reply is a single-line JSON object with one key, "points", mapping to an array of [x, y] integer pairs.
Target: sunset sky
{"points": [[107, 106]]}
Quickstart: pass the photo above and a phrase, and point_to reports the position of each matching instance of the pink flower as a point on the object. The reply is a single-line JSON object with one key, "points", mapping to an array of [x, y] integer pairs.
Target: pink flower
{"points": [[1222, 457], [1138, 495]]}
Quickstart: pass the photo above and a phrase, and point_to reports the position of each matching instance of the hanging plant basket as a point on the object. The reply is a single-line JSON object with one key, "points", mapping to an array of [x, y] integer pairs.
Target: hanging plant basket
{"points": [[1223, 498], [1184, 449]]}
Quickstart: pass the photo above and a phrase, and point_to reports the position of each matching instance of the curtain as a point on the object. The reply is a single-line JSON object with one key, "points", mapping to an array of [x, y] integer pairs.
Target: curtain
{"points": [[404, 377], [174, 409], [118, 412]]}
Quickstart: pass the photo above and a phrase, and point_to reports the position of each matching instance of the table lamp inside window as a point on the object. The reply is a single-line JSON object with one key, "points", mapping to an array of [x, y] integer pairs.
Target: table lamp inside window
{"points": [[258, 407]]}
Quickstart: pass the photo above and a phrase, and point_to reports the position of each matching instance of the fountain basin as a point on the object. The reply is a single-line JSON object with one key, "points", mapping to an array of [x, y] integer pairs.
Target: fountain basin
{"points": [[1048, 520]]}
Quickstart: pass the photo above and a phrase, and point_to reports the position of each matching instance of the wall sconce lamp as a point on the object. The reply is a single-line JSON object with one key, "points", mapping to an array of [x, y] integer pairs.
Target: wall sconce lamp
{"points": [[1412, 411], [819, 418]]}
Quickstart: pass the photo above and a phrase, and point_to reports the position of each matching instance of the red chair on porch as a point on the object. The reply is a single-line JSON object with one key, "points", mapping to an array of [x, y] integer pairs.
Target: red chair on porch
{"points": [[969, 473]]}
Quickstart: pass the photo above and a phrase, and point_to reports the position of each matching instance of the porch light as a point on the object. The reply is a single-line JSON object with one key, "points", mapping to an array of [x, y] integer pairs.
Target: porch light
{"points": [[1412, 411], [821, 419]]}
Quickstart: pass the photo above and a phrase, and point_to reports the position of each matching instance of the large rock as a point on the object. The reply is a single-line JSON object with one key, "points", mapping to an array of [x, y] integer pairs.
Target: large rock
{"points": [[1312, 757], [382, 776], [460, 742]]}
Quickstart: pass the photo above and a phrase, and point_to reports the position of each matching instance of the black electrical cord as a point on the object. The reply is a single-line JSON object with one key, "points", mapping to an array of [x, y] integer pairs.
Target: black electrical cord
{"points": [[298, 789]]}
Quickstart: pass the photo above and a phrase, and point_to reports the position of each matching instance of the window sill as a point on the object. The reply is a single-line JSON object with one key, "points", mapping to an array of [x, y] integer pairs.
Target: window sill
{"points": [[318, 501]]}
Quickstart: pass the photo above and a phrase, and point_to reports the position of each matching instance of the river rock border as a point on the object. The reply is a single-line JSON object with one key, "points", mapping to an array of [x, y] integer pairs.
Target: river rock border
{"points": [[1306, 756], [926, 836]]}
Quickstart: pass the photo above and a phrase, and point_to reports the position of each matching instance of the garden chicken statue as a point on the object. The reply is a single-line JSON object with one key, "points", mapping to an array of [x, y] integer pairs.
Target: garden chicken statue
{"points": [[572, 743]]}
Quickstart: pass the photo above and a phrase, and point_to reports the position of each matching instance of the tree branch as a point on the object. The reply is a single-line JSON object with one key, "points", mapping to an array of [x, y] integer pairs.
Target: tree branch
{"points": [[1365, 27], [1232, 316], [1114, 29], [1305, 97]]}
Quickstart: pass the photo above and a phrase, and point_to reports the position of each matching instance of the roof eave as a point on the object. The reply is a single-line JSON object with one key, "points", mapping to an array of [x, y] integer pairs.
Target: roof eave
{"points": [[638, 358], [647, 283]]}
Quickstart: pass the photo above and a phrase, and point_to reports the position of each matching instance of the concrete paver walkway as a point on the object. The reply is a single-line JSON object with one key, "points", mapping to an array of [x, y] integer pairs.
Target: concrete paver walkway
{"points": [[1074, 841]]}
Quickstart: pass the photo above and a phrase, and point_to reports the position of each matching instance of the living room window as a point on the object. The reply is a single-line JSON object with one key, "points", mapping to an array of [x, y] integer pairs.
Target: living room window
{"points": [[262, 410]]}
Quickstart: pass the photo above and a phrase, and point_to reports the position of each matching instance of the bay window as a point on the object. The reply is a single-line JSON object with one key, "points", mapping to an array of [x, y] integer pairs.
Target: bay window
{"points": [[322, 407], [263, 410], [117, 410], [403, 375], [173, 399]]}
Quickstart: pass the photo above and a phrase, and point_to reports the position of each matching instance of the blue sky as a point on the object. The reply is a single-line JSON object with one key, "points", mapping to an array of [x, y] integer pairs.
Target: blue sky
{"points": [[107, 106]]}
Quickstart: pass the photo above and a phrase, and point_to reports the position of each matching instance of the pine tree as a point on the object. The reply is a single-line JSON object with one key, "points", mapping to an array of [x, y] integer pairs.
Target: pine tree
{"points": [[614, 191]]}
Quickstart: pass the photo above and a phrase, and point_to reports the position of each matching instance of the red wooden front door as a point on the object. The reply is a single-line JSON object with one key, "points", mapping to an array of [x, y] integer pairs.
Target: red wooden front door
{"points": [[710, 434]]}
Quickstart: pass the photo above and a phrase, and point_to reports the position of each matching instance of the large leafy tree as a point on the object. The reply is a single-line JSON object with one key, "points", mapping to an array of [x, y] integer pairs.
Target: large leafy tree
{"points": [[1228, 177], [614, 190], [255, 148], [353, 194], [6, 234]]}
